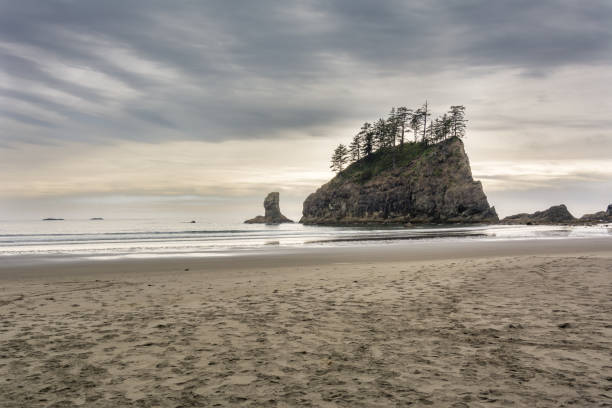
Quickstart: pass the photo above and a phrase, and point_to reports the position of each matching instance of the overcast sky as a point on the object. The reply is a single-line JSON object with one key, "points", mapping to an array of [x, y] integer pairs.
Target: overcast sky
{"points": [[141, 107]]}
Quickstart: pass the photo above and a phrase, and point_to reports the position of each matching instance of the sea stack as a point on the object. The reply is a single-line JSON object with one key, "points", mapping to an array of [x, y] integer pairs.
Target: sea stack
{"points": [[272, 212], [413, 183]]}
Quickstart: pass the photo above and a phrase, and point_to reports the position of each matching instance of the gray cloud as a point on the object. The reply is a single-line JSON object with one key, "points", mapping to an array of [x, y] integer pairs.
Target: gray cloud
{"points": [[217, 70], [20, 117], [535, 35]]}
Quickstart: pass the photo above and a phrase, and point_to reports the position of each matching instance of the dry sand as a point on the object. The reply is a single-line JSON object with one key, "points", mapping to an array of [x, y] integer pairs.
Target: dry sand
{"points": [[479, 326]]}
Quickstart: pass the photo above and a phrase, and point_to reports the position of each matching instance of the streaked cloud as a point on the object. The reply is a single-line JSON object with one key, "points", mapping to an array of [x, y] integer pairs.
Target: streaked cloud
{"points": [[509, 175], [147, 97]]}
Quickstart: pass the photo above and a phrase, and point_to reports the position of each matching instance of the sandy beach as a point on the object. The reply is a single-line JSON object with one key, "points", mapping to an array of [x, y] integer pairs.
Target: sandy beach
{"points": [[465, 324]]}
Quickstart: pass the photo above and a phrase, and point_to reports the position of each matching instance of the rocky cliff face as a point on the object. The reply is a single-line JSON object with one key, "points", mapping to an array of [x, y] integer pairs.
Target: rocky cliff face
{"points": [[272, 214], [557, 214], [408, 184]]}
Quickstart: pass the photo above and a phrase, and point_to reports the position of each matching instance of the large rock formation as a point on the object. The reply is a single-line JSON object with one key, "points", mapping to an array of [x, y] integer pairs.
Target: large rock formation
{"points": [[557, 214], [600, 216], [273, 214], [413, 183]]}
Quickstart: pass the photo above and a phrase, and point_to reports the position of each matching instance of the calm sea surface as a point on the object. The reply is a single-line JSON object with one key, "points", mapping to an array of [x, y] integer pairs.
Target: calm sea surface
{"points": [[113, 238]]}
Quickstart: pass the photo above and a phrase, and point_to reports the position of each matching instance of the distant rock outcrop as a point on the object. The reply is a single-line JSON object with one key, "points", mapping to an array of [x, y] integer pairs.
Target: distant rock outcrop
{"points": [[413, 183], [272, 214], [600, 216], [557, 214]]}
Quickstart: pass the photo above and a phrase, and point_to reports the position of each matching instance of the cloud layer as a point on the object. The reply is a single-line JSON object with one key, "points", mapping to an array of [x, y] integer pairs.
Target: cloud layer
{"points": [[216, 70], [534, 75]]}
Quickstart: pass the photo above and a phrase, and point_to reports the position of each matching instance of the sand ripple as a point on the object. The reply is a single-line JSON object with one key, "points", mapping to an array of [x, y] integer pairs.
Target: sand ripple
{"points": [[519, 331]]}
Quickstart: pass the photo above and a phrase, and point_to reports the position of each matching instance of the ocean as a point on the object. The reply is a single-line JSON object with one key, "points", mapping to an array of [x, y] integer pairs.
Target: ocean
{"points": [[150, 238]]}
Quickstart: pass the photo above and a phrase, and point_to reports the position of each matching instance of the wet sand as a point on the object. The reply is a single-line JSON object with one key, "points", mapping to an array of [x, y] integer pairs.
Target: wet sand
{"points": [[464, 325]]}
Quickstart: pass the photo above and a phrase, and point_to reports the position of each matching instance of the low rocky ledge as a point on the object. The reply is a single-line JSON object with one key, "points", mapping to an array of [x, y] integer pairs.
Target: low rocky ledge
{"points": [[600, 216], [557, 214]]}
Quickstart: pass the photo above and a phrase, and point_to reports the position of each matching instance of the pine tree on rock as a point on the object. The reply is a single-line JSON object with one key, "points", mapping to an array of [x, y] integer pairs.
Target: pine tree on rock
{"points": [[386, 134], [458, 121], [446, 126], [355, 147], [415, 123], [339, 158], [392, 128], [424, 114], [437, 130], [367, 132], [429, 134], [403, 117], [380, 134]]}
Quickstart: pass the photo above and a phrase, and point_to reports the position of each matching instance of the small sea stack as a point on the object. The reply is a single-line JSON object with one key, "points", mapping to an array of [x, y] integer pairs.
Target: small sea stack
{"points": [[273, 214]]}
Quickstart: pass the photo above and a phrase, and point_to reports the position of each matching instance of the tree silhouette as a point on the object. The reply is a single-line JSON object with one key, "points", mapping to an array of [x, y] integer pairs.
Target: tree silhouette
{"points": [[385, 134], [446, 126], [424, 114], [339, 158], [355, 147], [415, 123], [392, 128], [380, 134], [368, 139], [402, 116], [437, 130], [429, 134], [457, 120]]}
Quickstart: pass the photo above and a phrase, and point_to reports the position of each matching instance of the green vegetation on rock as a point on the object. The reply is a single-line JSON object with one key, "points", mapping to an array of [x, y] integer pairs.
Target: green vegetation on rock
{"points": [[384, 159], [383, 137]]}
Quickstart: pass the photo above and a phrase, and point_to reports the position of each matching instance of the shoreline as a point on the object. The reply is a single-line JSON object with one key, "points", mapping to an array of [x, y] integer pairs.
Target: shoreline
{"points": [[465, 324], [31, 267]]}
